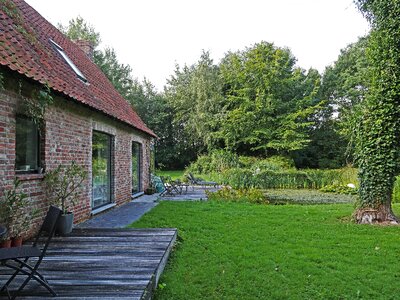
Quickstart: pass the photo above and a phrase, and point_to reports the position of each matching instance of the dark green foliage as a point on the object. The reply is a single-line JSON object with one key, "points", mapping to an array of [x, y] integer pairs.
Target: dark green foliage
{"points": [[274, 172], [379, 132], [215, 161], [344, 85], [220, 160], [268, 101], [283, 179], [396, 191]]}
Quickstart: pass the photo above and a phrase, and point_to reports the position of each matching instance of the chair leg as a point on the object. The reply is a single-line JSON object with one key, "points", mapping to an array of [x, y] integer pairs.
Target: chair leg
{"points": [[34, 274]]}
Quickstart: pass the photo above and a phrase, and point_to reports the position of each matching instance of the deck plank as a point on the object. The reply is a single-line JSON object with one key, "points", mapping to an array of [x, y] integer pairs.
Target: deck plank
{"points": [[102, 264]]}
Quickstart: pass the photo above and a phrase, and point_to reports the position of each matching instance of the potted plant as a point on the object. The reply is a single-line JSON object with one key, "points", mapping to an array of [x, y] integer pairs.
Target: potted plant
{"points": [[63, 186], [16, 214]]}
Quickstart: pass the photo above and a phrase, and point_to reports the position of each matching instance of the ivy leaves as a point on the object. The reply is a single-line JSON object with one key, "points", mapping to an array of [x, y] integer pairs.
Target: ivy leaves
{"points": [[378, 148]]}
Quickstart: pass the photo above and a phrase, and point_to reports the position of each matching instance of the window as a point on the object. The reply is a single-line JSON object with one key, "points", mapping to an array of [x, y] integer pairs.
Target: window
{"points": [[101, 169], [27, 145], [69, 61], [136, 167]]}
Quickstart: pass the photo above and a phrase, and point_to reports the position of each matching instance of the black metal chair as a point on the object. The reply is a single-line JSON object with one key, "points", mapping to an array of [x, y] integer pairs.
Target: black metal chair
{"points": [[16, 258]]}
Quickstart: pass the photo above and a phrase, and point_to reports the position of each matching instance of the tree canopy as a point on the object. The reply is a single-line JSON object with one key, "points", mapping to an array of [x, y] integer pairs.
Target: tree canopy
{"points": [[255, 102]]}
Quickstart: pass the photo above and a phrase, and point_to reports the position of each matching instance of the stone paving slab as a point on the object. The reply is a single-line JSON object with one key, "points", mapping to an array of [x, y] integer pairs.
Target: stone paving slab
{"points": [[121, 216], [124, 215]]}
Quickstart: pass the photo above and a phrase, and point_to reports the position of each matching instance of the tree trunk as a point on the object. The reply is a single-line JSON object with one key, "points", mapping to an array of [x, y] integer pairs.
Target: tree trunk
{"points": [[383, 214]]}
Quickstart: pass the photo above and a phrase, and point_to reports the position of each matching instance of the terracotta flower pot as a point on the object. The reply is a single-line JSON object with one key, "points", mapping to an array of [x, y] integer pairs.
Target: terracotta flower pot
{"points": [[5, 244], [16, 242]]}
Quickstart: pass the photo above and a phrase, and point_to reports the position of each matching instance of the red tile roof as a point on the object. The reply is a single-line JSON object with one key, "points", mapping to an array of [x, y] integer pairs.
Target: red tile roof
{"points": [[25, 47]]}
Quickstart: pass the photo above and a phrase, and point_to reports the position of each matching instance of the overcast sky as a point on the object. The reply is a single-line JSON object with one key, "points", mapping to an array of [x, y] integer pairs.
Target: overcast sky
{"points": [[153, 35]]}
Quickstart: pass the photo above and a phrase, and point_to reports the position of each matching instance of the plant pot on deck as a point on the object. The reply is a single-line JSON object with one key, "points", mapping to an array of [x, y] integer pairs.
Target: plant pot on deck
{"points": [[16, 242], [65, 223], [5, 243]]}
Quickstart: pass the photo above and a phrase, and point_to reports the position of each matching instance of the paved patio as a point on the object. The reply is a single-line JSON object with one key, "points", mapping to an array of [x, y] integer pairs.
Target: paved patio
{"points": [[124, 215], [196, 193]]}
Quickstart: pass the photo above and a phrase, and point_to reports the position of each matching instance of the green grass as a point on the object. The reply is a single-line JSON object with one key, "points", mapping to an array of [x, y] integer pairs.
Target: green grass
{"points": [[174, 174], [243, 251], [179, 174]]}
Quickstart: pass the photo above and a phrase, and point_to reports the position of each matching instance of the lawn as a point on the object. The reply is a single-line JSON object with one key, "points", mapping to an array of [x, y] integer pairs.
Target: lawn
{"points": [[244, 251], [175, 174]]}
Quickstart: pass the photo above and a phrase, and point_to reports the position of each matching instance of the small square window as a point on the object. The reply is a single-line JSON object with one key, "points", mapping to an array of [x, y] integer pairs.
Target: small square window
{"points": [[27, 145]]}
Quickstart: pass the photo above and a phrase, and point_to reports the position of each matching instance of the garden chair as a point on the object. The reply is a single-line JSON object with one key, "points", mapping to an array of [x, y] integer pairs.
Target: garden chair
{"points": [[198, 181], [170, 187], [17, 258]]}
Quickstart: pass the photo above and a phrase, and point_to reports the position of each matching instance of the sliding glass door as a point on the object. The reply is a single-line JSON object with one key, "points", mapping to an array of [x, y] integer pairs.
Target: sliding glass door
{"points": [[101, 169], [136, 166]]}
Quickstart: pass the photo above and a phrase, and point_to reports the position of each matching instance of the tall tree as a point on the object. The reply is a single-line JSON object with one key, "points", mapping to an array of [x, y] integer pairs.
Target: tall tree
{"points": [[79, 29], [157, 114], [269, 101], [379, 137], [344, 85], [194, 93], [119, 74]]}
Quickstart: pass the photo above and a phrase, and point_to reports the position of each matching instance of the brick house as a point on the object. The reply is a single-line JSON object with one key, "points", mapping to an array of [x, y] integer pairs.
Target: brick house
{"points": [[89, 122]]}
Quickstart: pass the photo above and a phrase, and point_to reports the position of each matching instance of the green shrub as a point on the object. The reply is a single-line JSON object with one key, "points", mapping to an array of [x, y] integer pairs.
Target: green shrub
{"points": [[339, 189], [396, 190], [226, 194], [220, 161], [274, 172], [281, 179], [216, 161], [275, 162], [247, 162]]}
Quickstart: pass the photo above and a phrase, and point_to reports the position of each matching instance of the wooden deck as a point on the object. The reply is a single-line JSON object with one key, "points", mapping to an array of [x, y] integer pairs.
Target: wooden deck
{"points": [[103, 264]]}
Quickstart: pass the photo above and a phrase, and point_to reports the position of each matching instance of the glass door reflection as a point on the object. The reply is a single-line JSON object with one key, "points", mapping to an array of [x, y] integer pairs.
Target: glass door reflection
{"points": [[136, 166], [101, 169]]}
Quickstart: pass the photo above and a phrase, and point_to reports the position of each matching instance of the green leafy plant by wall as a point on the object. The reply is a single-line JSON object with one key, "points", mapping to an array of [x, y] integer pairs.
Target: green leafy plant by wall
{"points": [[379, 132], [64, 184]]}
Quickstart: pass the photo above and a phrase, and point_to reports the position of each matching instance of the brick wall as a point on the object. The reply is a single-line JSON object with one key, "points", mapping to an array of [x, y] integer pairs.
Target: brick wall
{"points": [[67, 138]]}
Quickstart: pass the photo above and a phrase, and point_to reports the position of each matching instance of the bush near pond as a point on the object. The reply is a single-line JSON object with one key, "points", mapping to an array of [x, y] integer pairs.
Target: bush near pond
{"points": [[242, 172], [227, 194], [285, 179]]}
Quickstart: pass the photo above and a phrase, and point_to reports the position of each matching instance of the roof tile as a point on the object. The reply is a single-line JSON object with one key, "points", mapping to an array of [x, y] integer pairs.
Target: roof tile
{"points": [[25, 47]]}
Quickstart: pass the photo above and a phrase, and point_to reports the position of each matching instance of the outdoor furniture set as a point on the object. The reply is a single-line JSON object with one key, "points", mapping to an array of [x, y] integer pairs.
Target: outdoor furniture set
{"points": [[199, 181], [172, 187], [168, 187], [17, 258]]}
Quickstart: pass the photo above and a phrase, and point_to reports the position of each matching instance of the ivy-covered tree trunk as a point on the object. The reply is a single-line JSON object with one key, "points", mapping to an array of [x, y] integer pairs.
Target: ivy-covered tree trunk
{"points": [[378, 152], [379, 136]]}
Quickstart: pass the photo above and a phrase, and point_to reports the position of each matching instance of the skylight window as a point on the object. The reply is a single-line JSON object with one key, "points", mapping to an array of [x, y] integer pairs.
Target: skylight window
{"points": [[69, 61]]}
